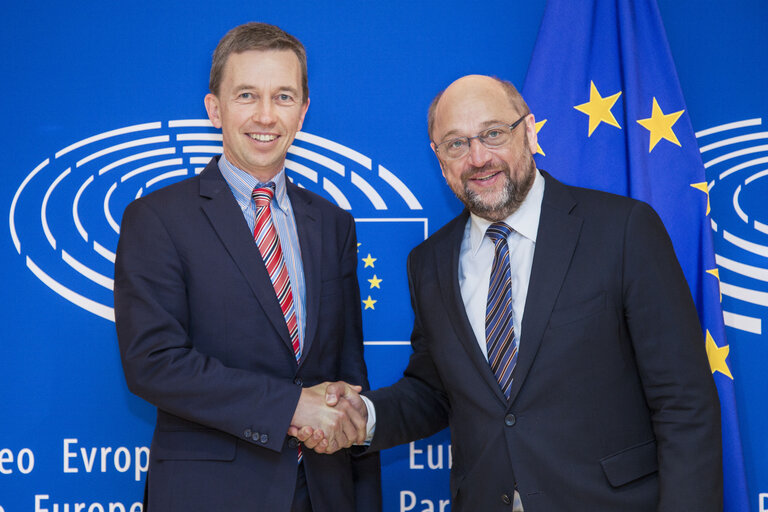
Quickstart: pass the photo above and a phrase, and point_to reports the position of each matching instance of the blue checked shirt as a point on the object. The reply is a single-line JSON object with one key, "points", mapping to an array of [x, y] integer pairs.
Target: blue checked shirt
{"points": [[242, 184]]}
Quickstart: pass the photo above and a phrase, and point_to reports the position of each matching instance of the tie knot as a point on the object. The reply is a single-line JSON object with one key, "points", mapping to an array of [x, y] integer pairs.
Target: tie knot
{"points": [[262, 196], [498, 231]]}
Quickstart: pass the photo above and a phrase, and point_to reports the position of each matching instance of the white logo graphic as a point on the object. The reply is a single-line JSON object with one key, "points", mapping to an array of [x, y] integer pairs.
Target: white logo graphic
{"points": [[64, 218], [736, 158]]}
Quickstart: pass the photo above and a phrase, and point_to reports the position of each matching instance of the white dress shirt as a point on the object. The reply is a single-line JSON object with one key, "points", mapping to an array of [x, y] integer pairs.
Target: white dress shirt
{"points": [[475, 262]]}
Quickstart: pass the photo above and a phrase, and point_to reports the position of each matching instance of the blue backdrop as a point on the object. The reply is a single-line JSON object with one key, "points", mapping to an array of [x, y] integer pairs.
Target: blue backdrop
{"points": [[100, 102]]}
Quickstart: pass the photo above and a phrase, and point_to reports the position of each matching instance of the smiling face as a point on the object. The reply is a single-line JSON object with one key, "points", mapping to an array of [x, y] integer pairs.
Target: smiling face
{"points": [[492, 183], [259, 108]]}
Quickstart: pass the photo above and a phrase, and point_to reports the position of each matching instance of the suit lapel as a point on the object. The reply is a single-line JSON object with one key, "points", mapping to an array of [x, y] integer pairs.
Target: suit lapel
{"points": [[311, 249], [556, 240], [448, 278], [225, 216]]}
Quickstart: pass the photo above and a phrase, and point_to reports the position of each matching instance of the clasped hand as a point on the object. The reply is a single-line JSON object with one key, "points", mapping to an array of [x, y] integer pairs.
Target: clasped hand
{"points": [[330, 416]]}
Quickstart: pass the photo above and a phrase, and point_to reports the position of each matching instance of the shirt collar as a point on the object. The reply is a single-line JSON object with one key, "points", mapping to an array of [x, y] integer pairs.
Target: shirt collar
{"points": [[524, 220], [242, 184]]}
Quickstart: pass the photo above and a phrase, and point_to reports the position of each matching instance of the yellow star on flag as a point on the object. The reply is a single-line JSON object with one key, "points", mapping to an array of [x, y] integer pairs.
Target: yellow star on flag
{"points": [[369, 261], [375, 282], [704, 188], [716, 356], [369, 302], [598, 108], [660, 125], [538, 128], [716, 272]]}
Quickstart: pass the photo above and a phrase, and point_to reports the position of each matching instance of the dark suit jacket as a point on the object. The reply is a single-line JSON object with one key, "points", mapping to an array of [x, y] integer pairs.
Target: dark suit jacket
{"points": [[613, 406], [203, 338]]}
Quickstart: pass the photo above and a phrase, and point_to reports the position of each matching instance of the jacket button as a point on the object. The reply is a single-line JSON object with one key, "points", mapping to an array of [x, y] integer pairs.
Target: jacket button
{"points": [[247, 433], [510, 420], [264, 438], [293, 442], [298, 381], [255, 436], [505, 499]]}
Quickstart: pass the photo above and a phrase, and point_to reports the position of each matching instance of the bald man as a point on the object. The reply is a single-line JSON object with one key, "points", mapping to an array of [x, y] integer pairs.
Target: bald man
{"points": [[554, 333]]}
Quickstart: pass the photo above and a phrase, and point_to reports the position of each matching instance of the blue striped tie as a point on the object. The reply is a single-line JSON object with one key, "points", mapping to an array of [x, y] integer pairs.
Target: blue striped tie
{"points": [[499, 326]]}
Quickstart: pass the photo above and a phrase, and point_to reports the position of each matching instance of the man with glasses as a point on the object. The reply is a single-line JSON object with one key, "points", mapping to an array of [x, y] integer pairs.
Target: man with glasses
{"points": [[554, 333]]}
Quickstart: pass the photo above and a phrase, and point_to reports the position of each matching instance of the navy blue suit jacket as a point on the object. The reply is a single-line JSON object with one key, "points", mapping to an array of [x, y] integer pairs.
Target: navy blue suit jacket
{"points": [[203, 338], [613, 406]]}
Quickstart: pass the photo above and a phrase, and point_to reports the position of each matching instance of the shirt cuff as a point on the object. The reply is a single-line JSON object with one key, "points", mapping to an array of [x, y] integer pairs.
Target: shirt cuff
{"points": [[371, 424]]}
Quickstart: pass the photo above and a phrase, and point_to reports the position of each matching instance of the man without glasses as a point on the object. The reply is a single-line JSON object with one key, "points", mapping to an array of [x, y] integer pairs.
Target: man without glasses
{"points": [[236, 292]]}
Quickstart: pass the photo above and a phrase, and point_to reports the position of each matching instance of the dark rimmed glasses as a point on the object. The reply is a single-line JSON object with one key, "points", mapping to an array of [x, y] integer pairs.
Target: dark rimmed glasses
{"points": [[493, 137]]}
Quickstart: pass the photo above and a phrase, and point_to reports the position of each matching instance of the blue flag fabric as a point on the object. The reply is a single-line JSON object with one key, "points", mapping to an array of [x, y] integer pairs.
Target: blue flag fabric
{"points": [[610, 115]]}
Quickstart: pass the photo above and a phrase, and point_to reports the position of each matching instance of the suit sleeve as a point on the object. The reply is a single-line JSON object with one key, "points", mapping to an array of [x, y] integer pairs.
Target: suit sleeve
{"points": [[160, 362], [366, 468], [671, 357], [416, 406]]}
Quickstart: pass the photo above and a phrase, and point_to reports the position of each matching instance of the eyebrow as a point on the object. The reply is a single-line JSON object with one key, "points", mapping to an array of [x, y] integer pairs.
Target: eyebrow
{"points": [[286, 88], [485, 124]]}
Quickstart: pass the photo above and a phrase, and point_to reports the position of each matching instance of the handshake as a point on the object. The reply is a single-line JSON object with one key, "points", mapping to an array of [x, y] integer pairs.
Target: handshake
{"points": [[330, 416]]}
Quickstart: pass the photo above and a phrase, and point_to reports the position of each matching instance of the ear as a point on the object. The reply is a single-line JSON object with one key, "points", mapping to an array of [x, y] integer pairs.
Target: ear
{"points": [[439, 162], [213, 107], [304, 108], [530, 129]]}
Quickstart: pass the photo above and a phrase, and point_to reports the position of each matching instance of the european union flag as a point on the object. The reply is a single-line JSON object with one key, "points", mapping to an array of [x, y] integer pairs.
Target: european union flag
{"points": [[611, 116], [387, 315]]}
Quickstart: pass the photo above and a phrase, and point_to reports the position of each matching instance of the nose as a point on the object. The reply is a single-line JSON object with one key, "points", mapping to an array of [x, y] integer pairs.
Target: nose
{"points": [[479, 155], [264, 112]]}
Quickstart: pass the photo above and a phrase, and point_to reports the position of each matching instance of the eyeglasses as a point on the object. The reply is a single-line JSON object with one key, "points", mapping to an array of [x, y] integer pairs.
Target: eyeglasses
{"points": [[493, 137]]}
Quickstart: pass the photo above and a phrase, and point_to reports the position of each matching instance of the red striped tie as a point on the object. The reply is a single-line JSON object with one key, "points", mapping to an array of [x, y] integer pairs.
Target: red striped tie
{"points": [[269, 246]]}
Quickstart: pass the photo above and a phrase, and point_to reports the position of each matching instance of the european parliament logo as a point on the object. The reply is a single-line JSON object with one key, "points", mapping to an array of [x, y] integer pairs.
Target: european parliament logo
{"points": [[65, 216], [736, 159]]}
